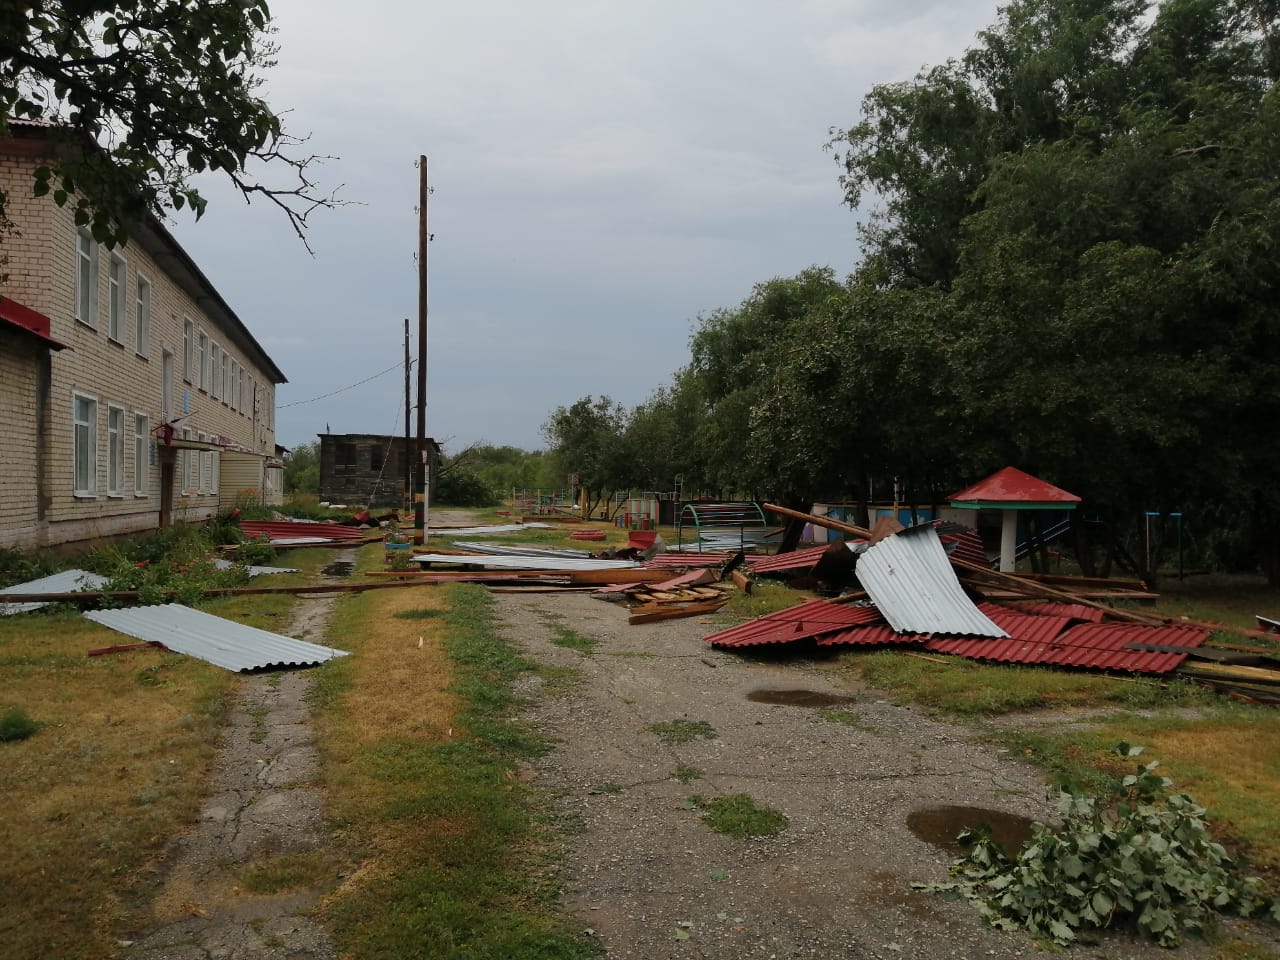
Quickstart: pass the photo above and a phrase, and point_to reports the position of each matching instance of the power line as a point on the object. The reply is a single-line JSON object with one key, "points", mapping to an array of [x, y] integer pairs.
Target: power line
{"points": [[334, 393]]}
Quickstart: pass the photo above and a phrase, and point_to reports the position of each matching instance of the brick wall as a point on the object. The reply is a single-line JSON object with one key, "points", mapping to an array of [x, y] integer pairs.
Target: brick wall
{"points": [[41, 269]]}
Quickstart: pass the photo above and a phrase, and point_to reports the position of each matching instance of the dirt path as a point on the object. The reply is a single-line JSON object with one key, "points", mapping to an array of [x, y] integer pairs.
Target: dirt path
{"points": [[653, 881], [264, 805]]}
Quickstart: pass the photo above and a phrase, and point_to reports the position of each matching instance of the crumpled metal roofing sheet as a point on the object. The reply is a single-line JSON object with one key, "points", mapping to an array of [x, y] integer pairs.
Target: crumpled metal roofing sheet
{"points": [[872, 635], [66, 581], [810, 619], [518, 550], [525, 563], [491, 528], [252, 570], [795, 560], [288, 530], [1076, 611], [910, 579], [1026, 626], [1100, 646], [219, 641]]}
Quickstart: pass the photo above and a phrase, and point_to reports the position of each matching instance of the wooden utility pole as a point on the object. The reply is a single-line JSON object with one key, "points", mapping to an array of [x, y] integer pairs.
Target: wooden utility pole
{"points": [[408, 448], [424, 460]]}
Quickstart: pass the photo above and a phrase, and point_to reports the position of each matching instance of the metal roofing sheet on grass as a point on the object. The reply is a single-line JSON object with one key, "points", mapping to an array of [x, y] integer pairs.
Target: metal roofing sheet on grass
{"points": [[294, 529], [810, 619], [525, 563], [910, 579], [795, 560], [251, 569], [219, 641], [66, 581], [871, 635], [1076, 611], [1101, 646]]}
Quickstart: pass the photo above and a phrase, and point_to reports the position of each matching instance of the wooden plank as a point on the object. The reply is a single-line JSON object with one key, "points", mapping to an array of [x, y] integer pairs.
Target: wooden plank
{"points": [[1221, 671], [671, 612], [741, 581]]}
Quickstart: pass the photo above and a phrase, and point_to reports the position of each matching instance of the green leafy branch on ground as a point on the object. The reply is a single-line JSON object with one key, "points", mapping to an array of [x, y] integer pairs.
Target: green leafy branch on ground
{"points": [[1143, 856]]}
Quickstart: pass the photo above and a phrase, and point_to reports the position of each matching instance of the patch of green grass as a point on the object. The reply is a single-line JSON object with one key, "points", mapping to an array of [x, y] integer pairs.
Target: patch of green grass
{"points": [[558, 681], [290, 871], [419, 614], [966, 688], [16, 725], [686, 774], [682, 731], [765, 597], [571, 639], [849, 719], [465, 843], [736, 815]]}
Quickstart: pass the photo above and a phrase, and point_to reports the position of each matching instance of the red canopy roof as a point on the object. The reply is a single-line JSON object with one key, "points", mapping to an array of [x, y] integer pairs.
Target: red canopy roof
{"points": [[1013, 486], [14, 314]]}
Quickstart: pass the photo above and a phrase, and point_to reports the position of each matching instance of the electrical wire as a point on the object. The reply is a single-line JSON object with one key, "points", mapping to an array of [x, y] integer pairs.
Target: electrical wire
{"points": [[298, 403]]}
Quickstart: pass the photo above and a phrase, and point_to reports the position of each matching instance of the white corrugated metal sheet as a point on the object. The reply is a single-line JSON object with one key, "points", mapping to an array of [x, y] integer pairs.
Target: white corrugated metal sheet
{"points": [[253, 571], [910, 579], [492, 528], [219, 641], [68, 581]]}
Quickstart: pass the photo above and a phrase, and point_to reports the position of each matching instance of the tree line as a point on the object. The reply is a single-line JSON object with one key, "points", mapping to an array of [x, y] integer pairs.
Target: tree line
{"points": [[1072, 268]]}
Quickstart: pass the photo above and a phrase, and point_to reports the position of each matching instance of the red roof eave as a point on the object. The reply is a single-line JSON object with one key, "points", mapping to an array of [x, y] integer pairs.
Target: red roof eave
{"points": [[28, 321], [1014, 487]]}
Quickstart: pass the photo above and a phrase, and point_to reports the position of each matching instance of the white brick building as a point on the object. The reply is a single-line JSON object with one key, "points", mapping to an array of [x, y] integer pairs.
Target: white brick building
{"points": [[131, 395]]}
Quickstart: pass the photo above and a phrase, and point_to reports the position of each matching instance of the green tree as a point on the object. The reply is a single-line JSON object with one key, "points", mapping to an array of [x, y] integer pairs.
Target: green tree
{"points": [[585, 438], [302, 469], [146, 94]]}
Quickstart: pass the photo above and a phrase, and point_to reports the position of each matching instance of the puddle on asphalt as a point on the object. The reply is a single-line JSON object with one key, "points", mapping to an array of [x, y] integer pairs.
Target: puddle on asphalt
{"points": [[339, 568], [942, 824], [799, 698]]}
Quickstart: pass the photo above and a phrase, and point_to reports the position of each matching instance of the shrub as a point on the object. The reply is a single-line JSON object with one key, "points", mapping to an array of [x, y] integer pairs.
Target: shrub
{"points": [[16, 725], [1142, 856]]}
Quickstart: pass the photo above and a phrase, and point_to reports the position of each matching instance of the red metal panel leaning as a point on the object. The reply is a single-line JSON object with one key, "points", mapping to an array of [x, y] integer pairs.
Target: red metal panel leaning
{"points": [[872, 635], [1100, 646]]}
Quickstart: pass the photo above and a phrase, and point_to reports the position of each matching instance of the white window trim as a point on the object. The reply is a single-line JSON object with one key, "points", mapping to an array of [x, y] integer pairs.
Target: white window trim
{"points": [[115, 451], [141, 453], [225, 380], [216, 457], [215, 367], [187, 461], [202, 354], [91, 491], [117, 298], [142, 331], [86, 259], [188, 346], [206, 467]]}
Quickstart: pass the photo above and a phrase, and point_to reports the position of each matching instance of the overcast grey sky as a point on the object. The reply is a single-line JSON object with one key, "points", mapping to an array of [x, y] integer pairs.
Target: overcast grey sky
{"points": [[603, 174]]}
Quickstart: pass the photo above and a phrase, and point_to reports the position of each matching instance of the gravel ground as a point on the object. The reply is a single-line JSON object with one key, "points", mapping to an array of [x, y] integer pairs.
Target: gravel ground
{"points": [[651, 880]]}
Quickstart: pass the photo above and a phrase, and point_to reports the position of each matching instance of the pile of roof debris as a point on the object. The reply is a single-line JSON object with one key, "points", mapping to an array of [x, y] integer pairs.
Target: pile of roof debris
{"points": [[926, 588]]}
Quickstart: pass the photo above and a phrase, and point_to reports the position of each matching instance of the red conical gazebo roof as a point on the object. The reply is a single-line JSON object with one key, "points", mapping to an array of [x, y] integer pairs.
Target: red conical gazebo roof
{"points": [[1012, 488]]}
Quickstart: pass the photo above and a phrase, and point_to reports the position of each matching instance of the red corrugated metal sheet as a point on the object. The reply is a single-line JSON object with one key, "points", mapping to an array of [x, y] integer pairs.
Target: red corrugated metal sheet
{"points": [[1027, 626], [281, 529], [875, 634], [688, 559], [687, 579], [965, 545], [800, 622], [795, 560], [1076, 611], [1100, 646]]}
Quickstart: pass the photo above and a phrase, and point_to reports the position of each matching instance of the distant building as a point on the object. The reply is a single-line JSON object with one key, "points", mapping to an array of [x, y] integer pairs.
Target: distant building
{"points": [[131, 395], [366, 468]]}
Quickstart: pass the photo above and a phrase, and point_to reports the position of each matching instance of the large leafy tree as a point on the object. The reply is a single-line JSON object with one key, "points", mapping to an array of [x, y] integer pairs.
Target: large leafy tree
{"points": [[1092, 192], [585, 439], [141, 96]]}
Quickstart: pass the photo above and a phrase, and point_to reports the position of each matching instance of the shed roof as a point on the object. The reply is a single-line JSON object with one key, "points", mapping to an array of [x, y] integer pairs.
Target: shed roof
{"points": [[1012, 487]]}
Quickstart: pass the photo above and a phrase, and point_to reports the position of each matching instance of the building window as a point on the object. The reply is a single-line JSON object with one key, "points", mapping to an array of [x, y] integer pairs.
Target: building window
{"points": [[235, 384], [216, 458], [142, 317], [346, 456], [188, 347], [215, 371], [115, 450], [375, 457], [141, 447], [115, 298], [224, 382], [206, 467], [188, 465], [202, 351], [86, 279], [246, 393], [85, 420]]}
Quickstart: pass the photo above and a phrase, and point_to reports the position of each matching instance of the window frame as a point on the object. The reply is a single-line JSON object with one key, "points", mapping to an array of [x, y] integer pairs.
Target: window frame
{"points": [[117, 297], [202, 354], [188, 347], [90, 425], [85, 306], [115, 450], [142, 323], [141, 453]]}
